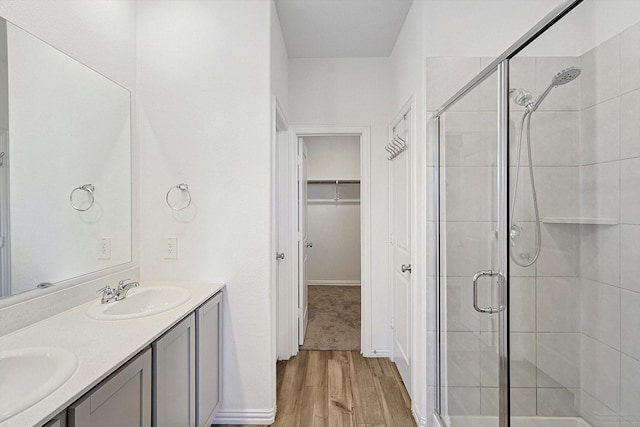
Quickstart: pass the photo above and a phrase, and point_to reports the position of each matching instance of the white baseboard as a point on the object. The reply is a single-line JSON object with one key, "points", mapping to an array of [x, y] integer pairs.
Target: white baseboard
{"points": [[248, 416], [419, 419], [334, 282], [378, 353]]}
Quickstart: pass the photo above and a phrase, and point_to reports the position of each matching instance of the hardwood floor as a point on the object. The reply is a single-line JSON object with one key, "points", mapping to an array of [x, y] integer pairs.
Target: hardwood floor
{"points": [[340, 388]]}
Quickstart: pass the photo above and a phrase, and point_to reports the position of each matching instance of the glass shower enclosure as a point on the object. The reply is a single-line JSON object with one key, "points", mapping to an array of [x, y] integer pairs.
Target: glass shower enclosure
{"points": [[539, 229]]}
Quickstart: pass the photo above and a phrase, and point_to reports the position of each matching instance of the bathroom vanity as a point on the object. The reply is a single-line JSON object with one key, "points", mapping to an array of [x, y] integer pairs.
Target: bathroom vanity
{"points": [[160, 369]]}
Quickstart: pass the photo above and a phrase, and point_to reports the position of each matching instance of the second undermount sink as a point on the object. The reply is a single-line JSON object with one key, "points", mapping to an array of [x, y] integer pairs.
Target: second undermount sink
{"points": [[28, 375], [140, 302]]}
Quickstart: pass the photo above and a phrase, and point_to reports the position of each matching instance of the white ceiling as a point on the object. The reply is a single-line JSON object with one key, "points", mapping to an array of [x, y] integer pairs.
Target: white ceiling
{"points": [[341, 28]]}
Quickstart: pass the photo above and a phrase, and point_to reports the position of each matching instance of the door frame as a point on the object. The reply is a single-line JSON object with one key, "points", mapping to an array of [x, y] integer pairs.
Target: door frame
{"points": [[408, 109], [289, 330], [303, 241], [279, 233]]}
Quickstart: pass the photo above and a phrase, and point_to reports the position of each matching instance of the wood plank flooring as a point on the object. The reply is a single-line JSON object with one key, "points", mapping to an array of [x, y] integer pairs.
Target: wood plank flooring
{"points": [[340, 389]]}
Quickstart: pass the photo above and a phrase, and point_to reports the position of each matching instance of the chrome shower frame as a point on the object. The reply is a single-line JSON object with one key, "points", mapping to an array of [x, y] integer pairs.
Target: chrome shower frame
{"points": [[501, 65]]}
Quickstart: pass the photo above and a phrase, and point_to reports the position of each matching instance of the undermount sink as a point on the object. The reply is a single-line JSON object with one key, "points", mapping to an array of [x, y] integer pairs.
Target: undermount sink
{"points": [[140, 302], [29, 375]]}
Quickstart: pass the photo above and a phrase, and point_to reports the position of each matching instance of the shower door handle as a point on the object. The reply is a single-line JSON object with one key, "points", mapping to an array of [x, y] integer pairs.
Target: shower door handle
{"points": [[476, 278]]}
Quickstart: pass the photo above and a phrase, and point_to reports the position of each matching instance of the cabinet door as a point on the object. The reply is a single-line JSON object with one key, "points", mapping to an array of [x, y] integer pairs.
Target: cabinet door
{"points": [[209, 361], [59, 420], [122, 400], [174, 374]]}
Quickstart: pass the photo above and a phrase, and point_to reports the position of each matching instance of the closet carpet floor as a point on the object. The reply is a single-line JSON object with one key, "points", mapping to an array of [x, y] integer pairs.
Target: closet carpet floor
{"points": [[340, 388], [334, 318]]}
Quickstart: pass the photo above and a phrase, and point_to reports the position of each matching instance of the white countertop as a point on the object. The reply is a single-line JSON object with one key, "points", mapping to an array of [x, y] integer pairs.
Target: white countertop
{"points": [[100, 345]]}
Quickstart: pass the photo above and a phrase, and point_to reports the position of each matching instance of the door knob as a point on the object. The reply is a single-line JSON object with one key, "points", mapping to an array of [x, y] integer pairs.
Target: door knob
{"points": [[279, 255], [405, 268], [309, 245]]}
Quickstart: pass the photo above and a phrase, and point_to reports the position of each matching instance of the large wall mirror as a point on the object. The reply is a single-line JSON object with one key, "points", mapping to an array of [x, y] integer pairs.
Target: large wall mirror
{"points": [[65, 166]]}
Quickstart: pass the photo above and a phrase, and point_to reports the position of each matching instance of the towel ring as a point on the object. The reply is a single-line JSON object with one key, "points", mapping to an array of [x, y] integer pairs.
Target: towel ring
{"points": [[89, 189], [184, 188]]}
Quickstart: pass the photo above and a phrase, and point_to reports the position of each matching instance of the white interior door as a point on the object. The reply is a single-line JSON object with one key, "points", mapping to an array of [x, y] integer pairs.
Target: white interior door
{"points": [[286, 333], [303, 247], [400, 240]]}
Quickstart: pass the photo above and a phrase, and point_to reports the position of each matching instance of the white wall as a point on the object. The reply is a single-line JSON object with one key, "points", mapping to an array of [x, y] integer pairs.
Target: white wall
{"points": [[85, 31], [333, 157], [334, 230], [479, 28], [279, 61], [204, 119], [354, 92]]}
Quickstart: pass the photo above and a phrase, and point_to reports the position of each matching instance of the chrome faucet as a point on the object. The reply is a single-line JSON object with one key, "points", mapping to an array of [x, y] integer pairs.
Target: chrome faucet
{"points": [[123, 287], [108, 294]]}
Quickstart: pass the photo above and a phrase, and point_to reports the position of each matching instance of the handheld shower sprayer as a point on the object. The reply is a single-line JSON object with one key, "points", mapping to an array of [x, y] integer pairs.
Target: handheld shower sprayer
{"points": [[562, 78], [524, 98]]}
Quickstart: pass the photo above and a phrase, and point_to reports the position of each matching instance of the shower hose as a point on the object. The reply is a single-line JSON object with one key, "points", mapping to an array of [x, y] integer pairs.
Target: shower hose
{"points": [[514, 230]]}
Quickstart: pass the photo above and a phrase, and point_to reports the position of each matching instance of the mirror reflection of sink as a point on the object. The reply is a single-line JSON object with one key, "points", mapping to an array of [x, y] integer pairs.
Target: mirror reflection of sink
{"points": [[29, 375], [140, 302]]}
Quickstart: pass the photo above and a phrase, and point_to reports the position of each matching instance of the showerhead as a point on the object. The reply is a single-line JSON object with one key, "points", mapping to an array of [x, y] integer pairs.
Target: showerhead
{"points": [[562, 78], [566, 76]]}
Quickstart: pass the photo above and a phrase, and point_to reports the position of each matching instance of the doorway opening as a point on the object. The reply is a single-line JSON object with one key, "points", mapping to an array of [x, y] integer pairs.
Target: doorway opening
{"points": [[330, 226], [326, 303]]}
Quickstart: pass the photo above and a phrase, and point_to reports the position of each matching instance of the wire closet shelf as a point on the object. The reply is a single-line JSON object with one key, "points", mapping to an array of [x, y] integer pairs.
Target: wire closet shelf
{"points": [[327, 191]]}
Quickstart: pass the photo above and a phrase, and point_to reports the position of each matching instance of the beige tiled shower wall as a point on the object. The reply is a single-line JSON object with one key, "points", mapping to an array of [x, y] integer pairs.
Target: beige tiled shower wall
{"points": [[575, 314], [610, 254]]}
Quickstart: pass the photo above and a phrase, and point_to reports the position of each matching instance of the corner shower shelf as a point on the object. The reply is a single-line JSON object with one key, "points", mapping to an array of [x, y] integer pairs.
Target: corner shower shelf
{"points": [[580, 221]]}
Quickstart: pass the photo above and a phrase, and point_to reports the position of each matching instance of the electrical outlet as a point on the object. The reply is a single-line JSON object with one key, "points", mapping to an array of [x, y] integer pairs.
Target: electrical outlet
{"points": [[104, 248], [171, 250]]}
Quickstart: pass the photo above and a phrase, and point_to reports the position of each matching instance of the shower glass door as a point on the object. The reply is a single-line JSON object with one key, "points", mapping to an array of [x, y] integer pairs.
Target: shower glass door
{"points": [[469, 265]]}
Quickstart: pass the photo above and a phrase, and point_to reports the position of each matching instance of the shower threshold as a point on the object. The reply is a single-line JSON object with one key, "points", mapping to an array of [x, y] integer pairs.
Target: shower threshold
{"points": [[470, 421]]}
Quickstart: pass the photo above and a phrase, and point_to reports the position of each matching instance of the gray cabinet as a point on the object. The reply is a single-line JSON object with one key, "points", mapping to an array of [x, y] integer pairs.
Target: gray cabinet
{"points": [[176, 383], [174, 375], [209, 360], [59, 420], [123, 400]]}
